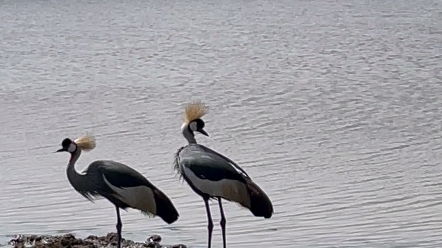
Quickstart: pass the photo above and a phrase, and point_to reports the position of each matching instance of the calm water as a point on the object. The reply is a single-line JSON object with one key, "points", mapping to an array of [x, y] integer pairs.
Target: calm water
{"points": [[333, 108]]}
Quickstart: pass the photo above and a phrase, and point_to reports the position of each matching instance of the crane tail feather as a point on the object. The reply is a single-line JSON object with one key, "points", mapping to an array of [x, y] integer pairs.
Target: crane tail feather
{"points": [[165, 208], [260, 204]]}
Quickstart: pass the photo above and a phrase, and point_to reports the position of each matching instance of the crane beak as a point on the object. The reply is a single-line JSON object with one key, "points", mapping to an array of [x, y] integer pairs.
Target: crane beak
{"points": [[203, 132], [60, 150]]}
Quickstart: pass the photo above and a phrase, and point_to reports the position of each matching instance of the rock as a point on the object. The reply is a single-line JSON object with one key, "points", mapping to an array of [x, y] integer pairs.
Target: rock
{"points": [[178, 246], [155, 238], [152, 245], [92, 241]]}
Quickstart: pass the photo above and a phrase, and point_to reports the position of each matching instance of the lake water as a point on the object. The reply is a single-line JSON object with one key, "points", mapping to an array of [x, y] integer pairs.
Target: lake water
{"points": [[333, 107]]}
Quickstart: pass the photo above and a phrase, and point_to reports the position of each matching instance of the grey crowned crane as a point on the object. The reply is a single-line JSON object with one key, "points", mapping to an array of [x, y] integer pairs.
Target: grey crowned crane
{"points": [[120, 184], [213, 175]]}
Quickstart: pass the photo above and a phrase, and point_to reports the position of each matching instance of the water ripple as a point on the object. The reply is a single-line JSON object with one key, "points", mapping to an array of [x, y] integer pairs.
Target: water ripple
{"points": [[332, 108]]}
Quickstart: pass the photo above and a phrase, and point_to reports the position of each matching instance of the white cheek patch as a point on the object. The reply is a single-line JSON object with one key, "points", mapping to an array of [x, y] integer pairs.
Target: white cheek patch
{"points": [[72, 147], [193, 126]]}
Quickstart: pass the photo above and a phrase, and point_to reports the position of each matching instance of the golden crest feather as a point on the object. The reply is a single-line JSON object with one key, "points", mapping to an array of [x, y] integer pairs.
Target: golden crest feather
{"points": [[86, 142], [194, 110]]}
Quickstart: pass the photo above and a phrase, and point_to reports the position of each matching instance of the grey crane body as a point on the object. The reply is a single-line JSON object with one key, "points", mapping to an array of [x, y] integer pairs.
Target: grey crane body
{"points": [[213, 175], [101, 176], [197, 157], [120, 184]]}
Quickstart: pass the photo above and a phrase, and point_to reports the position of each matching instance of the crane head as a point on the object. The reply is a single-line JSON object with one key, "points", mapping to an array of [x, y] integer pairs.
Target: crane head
{"points": [[84, 142], [198, 126], [67, 145], [192, 117]]}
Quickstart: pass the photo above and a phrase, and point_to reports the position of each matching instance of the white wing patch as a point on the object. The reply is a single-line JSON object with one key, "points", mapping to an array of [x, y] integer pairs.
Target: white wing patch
{"points": [[140, 197], [232, 190], [238, 170]]}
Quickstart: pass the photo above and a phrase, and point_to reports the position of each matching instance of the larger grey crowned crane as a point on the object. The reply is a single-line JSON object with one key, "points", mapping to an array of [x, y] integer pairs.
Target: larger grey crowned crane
{"points": [[212, 175], [120, 184]]}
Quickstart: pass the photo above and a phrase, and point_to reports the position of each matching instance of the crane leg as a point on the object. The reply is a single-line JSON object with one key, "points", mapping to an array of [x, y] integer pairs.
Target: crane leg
{"points": [[209, 220], [222, 222], [119, 226]]}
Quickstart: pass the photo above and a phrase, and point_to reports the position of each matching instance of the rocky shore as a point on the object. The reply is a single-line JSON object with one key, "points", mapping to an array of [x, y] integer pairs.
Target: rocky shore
{"points": [[70, 241]]}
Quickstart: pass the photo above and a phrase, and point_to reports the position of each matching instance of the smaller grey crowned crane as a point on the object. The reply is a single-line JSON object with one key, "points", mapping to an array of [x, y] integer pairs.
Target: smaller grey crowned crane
{"points": [[120, 184], [214, 176]]}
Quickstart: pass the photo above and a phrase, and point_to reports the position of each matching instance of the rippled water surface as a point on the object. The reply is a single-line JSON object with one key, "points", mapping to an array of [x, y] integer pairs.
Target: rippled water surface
{"points": [[333, 108]]}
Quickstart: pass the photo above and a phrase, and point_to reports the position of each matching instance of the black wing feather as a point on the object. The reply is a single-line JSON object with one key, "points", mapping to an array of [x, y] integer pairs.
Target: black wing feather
{"points": [[121, 175], [117, 174], [226, 158], [208, 164]]}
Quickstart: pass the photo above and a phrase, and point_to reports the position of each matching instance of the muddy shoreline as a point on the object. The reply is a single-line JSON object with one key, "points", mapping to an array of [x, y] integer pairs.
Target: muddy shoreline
{"points": [[70, 241]]}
